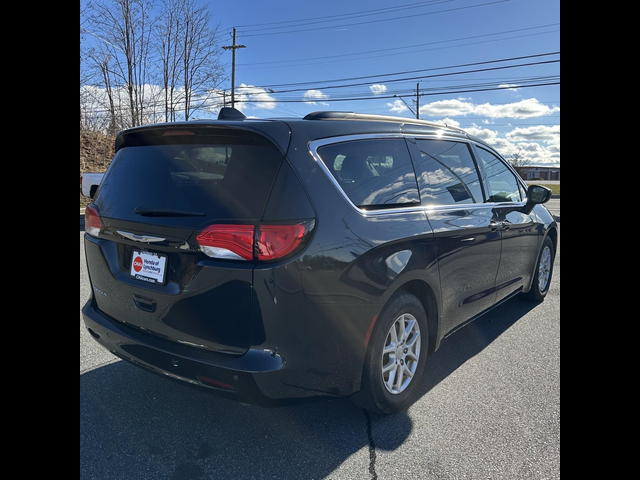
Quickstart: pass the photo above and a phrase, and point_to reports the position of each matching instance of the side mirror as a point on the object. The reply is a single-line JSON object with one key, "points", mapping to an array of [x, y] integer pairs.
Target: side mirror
{"points": [[536, 194]]}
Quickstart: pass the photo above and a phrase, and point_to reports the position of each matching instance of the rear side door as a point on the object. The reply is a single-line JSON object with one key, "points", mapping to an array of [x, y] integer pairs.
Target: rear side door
{"points": [[466, 236], [520, 236]]}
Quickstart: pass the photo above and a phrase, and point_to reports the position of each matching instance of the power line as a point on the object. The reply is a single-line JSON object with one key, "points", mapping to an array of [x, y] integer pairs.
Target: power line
{"points": [[377, 57], [372, 97], [376, 21], [400, 48], [405, 91], [278, 85], [546, 62], [380, 97], [347, 16]]}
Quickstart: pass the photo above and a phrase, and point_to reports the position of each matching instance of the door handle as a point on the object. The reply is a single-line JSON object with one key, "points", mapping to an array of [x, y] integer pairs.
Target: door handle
{"points": [[502, 226]]}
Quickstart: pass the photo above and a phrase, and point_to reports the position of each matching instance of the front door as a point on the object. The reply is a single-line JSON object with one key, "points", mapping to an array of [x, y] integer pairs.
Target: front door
{"points": [[519, 235]]}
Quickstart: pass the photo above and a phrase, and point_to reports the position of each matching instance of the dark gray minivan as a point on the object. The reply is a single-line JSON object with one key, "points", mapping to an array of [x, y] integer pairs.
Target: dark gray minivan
{"points": [[275, 260]]}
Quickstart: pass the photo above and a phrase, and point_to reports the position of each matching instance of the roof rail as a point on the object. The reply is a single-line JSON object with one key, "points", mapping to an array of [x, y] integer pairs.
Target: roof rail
{"points": [[228, 113], [374, 118]]}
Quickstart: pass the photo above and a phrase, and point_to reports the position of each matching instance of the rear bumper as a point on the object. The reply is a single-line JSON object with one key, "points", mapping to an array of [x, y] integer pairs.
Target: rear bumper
{"points": [[255, 377]]}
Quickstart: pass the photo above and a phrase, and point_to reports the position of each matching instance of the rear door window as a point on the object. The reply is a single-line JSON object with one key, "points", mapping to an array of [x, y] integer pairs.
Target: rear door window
{"points": [[374, 173], [217, 182], [447, 174]]}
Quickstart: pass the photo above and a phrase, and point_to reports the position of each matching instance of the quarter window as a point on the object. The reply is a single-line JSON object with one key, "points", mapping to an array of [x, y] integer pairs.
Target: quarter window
{"points": [[447, 174], [373, 173], [503, 186]]}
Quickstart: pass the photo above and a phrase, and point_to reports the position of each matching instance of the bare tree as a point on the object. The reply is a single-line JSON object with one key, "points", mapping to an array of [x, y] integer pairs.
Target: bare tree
{"points": [[140, 68], [520, 163], [200, 57], [168, 34], [124, 29]]}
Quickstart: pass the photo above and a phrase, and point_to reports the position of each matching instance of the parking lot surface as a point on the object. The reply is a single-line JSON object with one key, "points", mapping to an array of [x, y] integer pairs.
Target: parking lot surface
{"points": [[489, 407]]}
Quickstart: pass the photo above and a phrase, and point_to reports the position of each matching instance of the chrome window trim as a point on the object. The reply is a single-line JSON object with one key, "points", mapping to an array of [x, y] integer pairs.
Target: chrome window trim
{"points": [[314, 145]]}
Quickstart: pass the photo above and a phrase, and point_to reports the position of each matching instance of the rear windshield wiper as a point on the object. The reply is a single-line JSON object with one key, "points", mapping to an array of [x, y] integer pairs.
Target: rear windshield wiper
{"points": [[160, 212]]}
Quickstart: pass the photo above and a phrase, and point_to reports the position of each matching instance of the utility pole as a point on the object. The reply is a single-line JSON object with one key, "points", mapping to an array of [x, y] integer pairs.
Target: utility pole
{"points": [[417, 112], [233, 49]]}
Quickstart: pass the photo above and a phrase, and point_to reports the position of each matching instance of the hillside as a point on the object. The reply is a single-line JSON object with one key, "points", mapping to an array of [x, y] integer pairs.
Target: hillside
{"points": [[96, 152]]}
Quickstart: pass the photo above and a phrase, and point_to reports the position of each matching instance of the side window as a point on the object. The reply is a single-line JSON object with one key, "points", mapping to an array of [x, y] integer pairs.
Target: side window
{"points": [[373, 173], [447, 174], [503, 186]]}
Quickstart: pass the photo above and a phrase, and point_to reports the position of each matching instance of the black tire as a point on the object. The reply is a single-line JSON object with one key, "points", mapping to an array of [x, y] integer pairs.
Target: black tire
{"points": [[536, 294], [92, 190], [373, 394]]}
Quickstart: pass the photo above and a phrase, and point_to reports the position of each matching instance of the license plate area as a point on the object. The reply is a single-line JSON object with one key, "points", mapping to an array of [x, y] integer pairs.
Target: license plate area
{"points": [[149, 267]]}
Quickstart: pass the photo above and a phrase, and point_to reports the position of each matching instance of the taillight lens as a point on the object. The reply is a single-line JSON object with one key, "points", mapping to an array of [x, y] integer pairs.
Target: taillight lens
{"points": [[277, 241], [233, 242], [236, 242], [92, 222]]}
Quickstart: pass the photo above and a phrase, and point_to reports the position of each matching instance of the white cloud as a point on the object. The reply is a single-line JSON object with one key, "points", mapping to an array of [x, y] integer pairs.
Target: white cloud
{"points": [[523, 109], [447, 108], [509, 86], [255, 97], [524, 140], [539, 133], [312, 95], [485, 134], [397, 106], [95, 105], [377, 89]]}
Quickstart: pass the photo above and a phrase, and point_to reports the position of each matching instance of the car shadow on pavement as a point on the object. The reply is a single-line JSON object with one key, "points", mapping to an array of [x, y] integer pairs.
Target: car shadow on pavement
{"points": [[136, 425]]}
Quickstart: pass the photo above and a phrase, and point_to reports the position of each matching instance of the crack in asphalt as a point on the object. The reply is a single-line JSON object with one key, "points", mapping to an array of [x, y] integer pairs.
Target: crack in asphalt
{"points": [[372, 448]]}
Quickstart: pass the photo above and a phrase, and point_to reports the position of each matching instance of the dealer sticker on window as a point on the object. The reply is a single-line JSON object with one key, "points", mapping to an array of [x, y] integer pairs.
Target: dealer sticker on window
{"points": [[148, 267]]}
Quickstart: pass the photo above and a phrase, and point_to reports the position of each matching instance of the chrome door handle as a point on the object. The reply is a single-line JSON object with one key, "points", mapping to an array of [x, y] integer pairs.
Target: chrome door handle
{"points": [[506, 225], [493, 226]]}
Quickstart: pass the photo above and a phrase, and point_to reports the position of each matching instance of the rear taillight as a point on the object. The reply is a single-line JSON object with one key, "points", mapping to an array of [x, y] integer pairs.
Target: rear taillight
{"points": [[80, 181], [92, 222], [237, 242], [277, 241], [233, 242]]}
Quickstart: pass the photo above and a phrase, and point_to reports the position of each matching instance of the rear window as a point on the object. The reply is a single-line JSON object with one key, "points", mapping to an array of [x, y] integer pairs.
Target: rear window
{"points": [[221, 182], [373, 173]]}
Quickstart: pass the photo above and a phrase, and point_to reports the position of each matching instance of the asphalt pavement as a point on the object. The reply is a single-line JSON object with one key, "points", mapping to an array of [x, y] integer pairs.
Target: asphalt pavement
{"points": [[489, 407]]}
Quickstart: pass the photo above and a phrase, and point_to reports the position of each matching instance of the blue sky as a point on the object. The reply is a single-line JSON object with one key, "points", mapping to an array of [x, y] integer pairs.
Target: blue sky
{"points": [[525, 119], [430, 35]]}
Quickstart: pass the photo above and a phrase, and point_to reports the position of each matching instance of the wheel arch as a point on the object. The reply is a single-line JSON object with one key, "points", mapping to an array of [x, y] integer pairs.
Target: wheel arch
{"points": [[553, 235], [423, 292]]}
